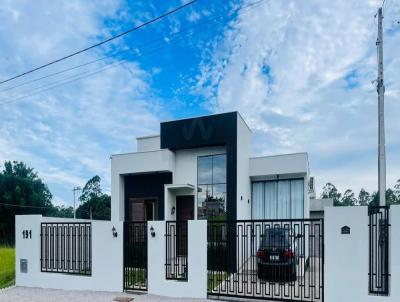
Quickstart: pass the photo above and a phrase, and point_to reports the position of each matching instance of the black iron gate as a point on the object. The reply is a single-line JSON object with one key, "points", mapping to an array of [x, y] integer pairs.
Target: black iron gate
{"points": [[176, 250], [279, 260], [379, 250], [135, 255]]}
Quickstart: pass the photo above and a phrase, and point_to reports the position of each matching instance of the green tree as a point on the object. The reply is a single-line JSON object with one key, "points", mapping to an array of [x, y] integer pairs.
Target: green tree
{"points": [[64, 212], [364, 198], [397, 191], [21, 192], [348, 198], [330, 191], [94, 201], [391, 197], [374, 199]]}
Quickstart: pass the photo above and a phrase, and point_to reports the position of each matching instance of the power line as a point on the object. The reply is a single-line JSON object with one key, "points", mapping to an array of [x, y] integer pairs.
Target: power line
{"points": [[102, 42], [23, 206], [88, 73], [49, 208], [105, 57], [243, 8], [71, 79]]}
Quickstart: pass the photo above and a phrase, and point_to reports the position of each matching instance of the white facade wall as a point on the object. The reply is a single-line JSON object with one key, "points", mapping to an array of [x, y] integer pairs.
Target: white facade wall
{"points": [[306, 196], [170, 202], [296, 163], [107, 257], [131, 163], [243, 197], [148, 143], [347, 256], [196, 285]]}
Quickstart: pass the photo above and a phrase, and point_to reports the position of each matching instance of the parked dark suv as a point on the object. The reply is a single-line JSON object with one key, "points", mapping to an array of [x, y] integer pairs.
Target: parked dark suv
{"points": [[277, 255]]}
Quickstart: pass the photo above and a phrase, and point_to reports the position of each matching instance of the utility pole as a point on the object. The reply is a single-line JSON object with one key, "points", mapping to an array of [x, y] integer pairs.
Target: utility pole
{"points": [[75, 189], [381, 115]]}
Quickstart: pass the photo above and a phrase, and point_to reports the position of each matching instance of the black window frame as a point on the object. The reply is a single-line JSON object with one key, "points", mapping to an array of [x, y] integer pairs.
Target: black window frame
{"points": [[212, 179]]}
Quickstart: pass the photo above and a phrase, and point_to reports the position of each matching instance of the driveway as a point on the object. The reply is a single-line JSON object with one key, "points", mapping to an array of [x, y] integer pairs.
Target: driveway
{"points": [[307, 287], [27, 294]]}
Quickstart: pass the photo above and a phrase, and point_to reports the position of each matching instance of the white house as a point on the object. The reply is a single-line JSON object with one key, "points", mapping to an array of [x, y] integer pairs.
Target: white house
{"points": [[195, 215], [202, 168]]}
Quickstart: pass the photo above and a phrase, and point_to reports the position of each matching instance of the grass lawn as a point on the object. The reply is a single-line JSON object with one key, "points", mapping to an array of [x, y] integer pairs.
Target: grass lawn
{"points": [[215, 279], [7, 266], [136, 276]]}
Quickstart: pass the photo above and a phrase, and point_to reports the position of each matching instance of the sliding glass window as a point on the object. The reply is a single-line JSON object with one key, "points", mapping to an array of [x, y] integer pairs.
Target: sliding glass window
{"points": [[211, 187], [280, 199]]}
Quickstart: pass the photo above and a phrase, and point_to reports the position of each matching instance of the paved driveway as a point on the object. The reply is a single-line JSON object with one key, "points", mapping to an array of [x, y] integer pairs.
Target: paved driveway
{"points": [[246, 284], [25, 294]]}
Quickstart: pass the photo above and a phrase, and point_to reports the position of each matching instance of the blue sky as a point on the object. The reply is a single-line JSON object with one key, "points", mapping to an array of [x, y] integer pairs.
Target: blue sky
{"points": [[299, 73]]}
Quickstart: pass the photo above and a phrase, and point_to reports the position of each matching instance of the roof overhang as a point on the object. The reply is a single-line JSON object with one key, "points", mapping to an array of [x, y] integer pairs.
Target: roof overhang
{"points": [[178, 187]]}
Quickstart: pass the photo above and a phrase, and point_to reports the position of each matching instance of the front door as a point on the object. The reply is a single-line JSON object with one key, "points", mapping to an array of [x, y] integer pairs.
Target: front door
{"points": [[184, 212], [184, 208]]}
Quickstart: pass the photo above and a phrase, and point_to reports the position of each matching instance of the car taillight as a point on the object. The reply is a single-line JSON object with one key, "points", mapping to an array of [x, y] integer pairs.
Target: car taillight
{"points": [[260, 254], [288, 254]]}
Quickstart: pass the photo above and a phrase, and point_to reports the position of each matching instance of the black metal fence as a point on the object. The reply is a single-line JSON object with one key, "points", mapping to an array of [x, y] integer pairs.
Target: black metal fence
{"points": [[135, 256], [66, 248], [266, 259], [176, 244], [379, 273]]}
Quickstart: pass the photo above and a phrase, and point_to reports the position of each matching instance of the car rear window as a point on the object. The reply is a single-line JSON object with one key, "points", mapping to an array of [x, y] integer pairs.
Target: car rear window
{"points": [[275, 237]]}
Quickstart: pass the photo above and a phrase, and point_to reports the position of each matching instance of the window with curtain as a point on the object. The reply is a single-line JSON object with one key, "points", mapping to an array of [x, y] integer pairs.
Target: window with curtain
{"points": [[280, 199], [211, 187]]}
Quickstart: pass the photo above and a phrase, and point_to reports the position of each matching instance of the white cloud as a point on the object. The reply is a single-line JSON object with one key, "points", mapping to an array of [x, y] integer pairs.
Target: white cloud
{"points": [[284, 66], [67, 134], [193, 16]]}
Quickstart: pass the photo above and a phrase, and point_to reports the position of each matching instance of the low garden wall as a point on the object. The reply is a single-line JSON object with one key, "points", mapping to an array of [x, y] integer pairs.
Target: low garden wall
{"points": [[103, 273], [346, 250], [347, 255], [196, 284]]}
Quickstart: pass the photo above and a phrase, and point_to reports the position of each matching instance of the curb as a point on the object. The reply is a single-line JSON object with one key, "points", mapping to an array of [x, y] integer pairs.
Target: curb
{"points": [[6, 288]]}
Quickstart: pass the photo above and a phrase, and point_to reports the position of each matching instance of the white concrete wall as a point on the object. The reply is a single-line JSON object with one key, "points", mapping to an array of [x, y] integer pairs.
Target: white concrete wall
{"points": [[320, 204], [170, 202], [346, 256], [395, 253], [107, 257], [295, 163], [148, 143], [243, 196], [186, 166], [306, 209], [130, 163], [196, 285]]}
